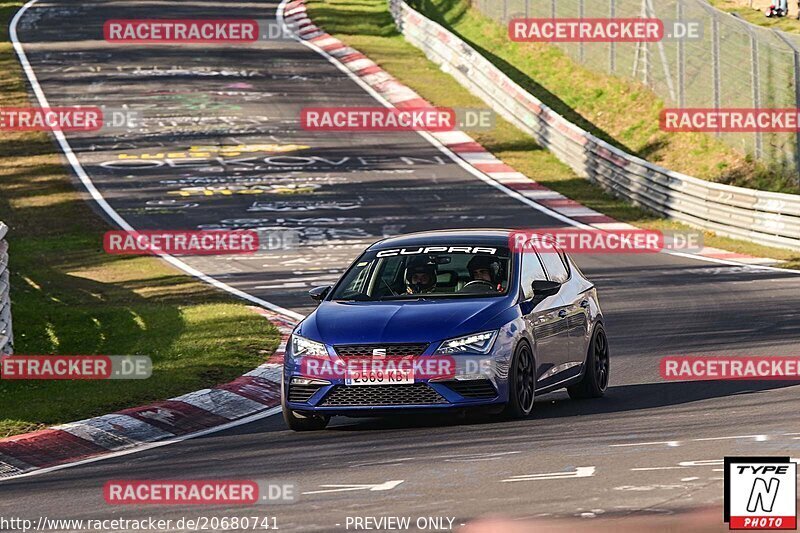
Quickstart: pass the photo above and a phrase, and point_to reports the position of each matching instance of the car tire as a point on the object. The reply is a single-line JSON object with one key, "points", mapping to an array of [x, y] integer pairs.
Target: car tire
{"points": [[596, 369], [302, 422], [521, 383]]}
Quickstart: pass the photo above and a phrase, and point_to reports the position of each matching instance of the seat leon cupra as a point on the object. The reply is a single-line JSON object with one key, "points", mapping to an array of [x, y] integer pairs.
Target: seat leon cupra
{"points": [[445, 321]]}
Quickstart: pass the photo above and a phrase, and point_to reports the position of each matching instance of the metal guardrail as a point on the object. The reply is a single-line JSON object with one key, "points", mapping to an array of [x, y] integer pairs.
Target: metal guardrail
{"points": [[767, 218], [6, 334]]}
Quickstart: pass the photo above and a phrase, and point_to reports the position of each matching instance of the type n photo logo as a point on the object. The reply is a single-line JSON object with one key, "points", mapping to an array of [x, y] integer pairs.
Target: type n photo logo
{"points": [[760, 493]]}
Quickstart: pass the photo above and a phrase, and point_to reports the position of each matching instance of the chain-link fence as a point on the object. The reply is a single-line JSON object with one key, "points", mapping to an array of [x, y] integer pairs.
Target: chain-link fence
{"points": [[734, 64]]}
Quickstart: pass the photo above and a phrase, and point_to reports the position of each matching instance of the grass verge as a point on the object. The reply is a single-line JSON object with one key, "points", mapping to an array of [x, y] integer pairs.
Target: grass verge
{"points": [[755, 16], [69, 297], [367, 26]]}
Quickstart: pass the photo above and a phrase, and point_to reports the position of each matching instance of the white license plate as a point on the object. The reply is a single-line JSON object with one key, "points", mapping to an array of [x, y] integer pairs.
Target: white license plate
{"points": [[380, 377]]}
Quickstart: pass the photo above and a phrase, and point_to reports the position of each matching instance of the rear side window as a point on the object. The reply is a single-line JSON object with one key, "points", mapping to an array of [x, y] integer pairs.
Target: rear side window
{"points": [[531, 271], [555, 266]]}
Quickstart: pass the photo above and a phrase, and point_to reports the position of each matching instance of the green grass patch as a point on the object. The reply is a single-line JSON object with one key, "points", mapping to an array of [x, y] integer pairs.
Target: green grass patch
{"points": [[71, 298], [755, 16], [376, 37]]}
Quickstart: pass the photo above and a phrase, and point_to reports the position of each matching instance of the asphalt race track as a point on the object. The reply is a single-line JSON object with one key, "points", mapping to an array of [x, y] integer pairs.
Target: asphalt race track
{"points": [[221, 147]]}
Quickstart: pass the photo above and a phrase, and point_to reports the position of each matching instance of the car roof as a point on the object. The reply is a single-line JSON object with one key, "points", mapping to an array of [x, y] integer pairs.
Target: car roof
{"points": [[475, 237]]}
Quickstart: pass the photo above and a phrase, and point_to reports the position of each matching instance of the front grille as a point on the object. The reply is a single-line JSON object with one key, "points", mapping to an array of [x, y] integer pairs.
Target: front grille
{"points": [[392, 350], [472, 388], [377, 395], [301, 393]]}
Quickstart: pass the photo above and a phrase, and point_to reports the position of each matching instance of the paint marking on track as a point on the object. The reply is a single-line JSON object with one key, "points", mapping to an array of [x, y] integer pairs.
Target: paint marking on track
{"points": [[671, 443], [579, 472], [652, 468], [649, 488], [757, 438], [676, 443], [388, 485]]}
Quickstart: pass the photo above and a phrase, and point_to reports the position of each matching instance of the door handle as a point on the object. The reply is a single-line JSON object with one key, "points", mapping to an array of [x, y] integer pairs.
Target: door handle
{"points": [[585, 304], [562, 313]]}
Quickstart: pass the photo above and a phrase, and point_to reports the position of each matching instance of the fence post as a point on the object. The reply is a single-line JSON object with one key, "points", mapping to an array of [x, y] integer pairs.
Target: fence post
{"points": [[796, 56], [552, 9], [612, 48], [755, 80], [581, 45], [651, 13], [715, 64], [681, 61], [715, 52]]}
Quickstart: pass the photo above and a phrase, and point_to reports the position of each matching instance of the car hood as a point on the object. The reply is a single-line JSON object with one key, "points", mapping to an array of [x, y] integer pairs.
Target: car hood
{"points": [[407, 321]]}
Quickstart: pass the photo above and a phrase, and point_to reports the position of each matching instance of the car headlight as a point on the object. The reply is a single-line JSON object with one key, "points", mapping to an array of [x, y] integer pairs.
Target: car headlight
{"points": [[302, 347], [480, 343]]}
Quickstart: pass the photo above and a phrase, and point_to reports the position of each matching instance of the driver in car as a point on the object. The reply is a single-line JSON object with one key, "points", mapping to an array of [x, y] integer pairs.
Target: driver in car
{"points": [[420, 276], [485, 270]]}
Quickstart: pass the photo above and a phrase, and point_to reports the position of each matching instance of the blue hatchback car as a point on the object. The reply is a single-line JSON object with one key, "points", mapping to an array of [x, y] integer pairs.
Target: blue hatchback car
{"points": [[442, 321]]}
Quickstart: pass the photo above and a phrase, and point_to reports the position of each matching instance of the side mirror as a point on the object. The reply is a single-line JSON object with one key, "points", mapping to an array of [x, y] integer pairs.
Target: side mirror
{"points": [[543, 287], [319, 293]]}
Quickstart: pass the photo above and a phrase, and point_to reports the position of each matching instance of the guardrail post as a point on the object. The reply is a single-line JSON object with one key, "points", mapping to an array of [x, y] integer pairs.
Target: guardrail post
{"points": [[796, 56]]}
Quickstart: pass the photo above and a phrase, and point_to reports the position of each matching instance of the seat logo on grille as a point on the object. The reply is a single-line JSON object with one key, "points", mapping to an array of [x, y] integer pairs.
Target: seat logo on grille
{"points": [[379, 352]]}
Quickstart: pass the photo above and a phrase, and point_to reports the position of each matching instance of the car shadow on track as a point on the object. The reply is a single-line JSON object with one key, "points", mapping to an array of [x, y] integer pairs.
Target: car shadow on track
{"points": [[625, 398]]}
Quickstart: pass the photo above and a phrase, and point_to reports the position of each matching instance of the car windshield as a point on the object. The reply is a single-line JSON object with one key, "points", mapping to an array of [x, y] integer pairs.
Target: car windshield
{"points": [[427, 272]]}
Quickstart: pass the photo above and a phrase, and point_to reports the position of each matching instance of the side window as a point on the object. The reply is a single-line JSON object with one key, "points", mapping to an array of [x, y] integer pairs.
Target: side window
{"points": [[390, 272], [358, 284], [531, 271], [554, 264]]}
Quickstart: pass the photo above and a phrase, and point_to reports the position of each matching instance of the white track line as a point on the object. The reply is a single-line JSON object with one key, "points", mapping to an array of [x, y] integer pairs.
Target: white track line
{"points": [[97, 197], [122, 223]]}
